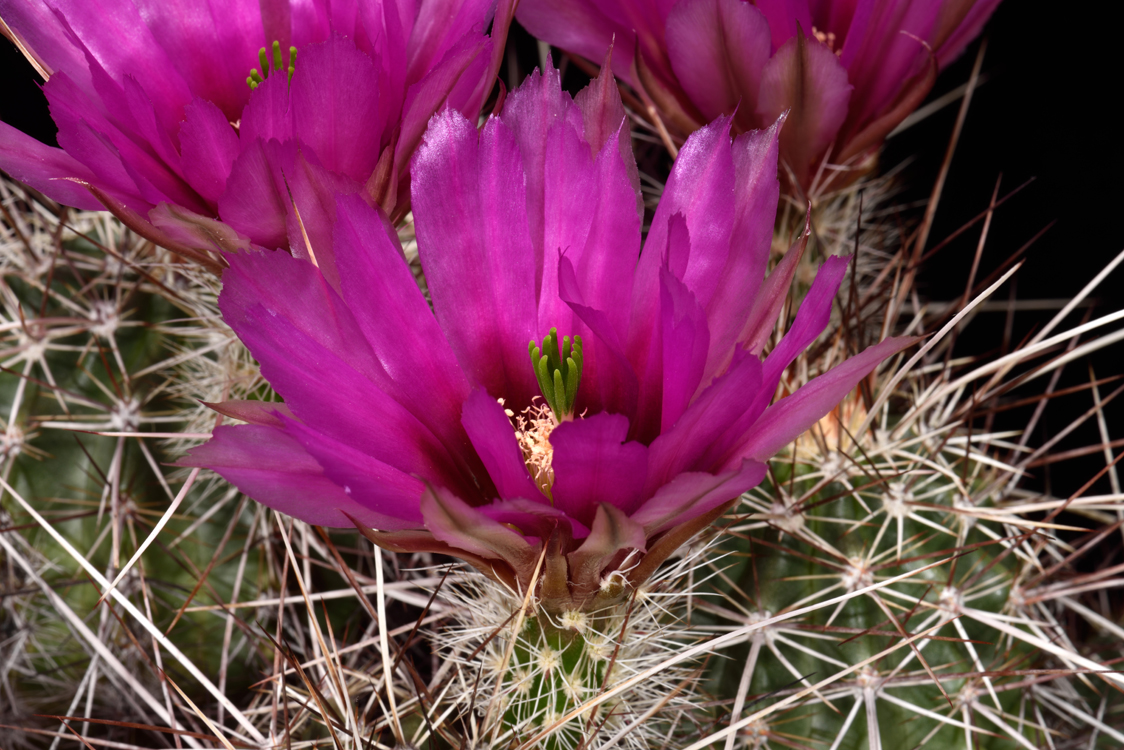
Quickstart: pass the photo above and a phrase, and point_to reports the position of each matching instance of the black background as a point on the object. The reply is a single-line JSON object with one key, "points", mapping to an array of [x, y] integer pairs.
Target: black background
{"points": [[1045, 112]]}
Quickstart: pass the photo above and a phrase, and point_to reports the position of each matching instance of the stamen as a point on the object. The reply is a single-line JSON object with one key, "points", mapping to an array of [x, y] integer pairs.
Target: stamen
{"points": [[532, 432], [559, 373], [255, 78]]}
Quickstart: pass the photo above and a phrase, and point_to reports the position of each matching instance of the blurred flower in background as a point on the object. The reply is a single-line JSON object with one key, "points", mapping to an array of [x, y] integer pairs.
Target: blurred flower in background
{"points": [[175, 115], [847, 72]]}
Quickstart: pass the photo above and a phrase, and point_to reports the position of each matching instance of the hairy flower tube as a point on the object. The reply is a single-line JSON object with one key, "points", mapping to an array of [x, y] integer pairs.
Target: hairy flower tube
{"points": [[430, 424], [847, 71], [213, 125]]}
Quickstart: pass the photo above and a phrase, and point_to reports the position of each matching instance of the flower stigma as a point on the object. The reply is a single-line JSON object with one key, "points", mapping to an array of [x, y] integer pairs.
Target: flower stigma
{"points": [[559, 372], [255, 78]]}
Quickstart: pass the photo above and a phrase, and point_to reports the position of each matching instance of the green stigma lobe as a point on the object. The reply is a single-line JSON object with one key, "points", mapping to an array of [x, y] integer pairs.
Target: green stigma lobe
{"points": [[559, 372], [255, 78]]}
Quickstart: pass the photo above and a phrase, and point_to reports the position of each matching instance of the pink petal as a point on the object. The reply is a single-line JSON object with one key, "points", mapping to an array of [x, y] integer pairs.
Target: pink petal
{"points": [[717, 50], [334, 98], [493, 437], [593, 464], [209, 146], [693, 494], [805, 79], [45, 168], [785, 420], [471, 227], [273, 468], [686, 339], [756, 192]]}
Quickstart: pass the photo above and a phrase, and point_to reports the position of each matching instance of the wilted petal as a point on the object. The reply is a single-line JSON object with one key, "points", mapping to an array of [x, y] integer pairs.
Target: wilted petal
{"points": [[471, 227], [459, 525], [612, 533], [593, 464], [264, 413], [273, 468], [717, 50], [805, 79], [785, 420], [693, 494], [493, 437]]}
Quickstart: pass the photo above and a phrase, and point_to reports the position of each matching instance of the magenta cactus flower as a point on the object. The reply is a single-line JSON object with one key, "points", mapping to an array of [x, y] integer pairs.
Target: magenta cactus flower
{"points": [[847, 71], [178, 116], [567, 394]]}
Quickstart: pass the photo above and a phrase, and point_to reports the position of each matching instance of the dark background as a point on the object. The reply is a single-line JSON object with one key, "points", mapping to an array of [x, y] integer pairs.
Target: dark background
{"points": [[1043, 113]]}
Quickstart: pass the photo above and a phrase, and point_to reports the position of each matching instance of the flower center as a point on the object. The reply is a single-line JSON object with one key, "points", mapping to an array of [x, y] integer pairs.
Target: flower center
{"points": [[559, 372], [256, 78]]}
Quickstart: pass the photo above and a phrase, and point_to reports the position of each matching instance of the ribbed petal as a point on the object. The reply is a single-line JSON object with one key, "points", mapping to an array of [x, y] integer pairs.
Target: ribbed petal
{"points": [[334, 98], [274, 469], [805, 79], [594, 464], [209, 147], [45, 168], [756, 191], [693, 494], [686, 340], [717, 49], [459, 525], [471, 227], [533, 112], [789, 417], [493, 437]]}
